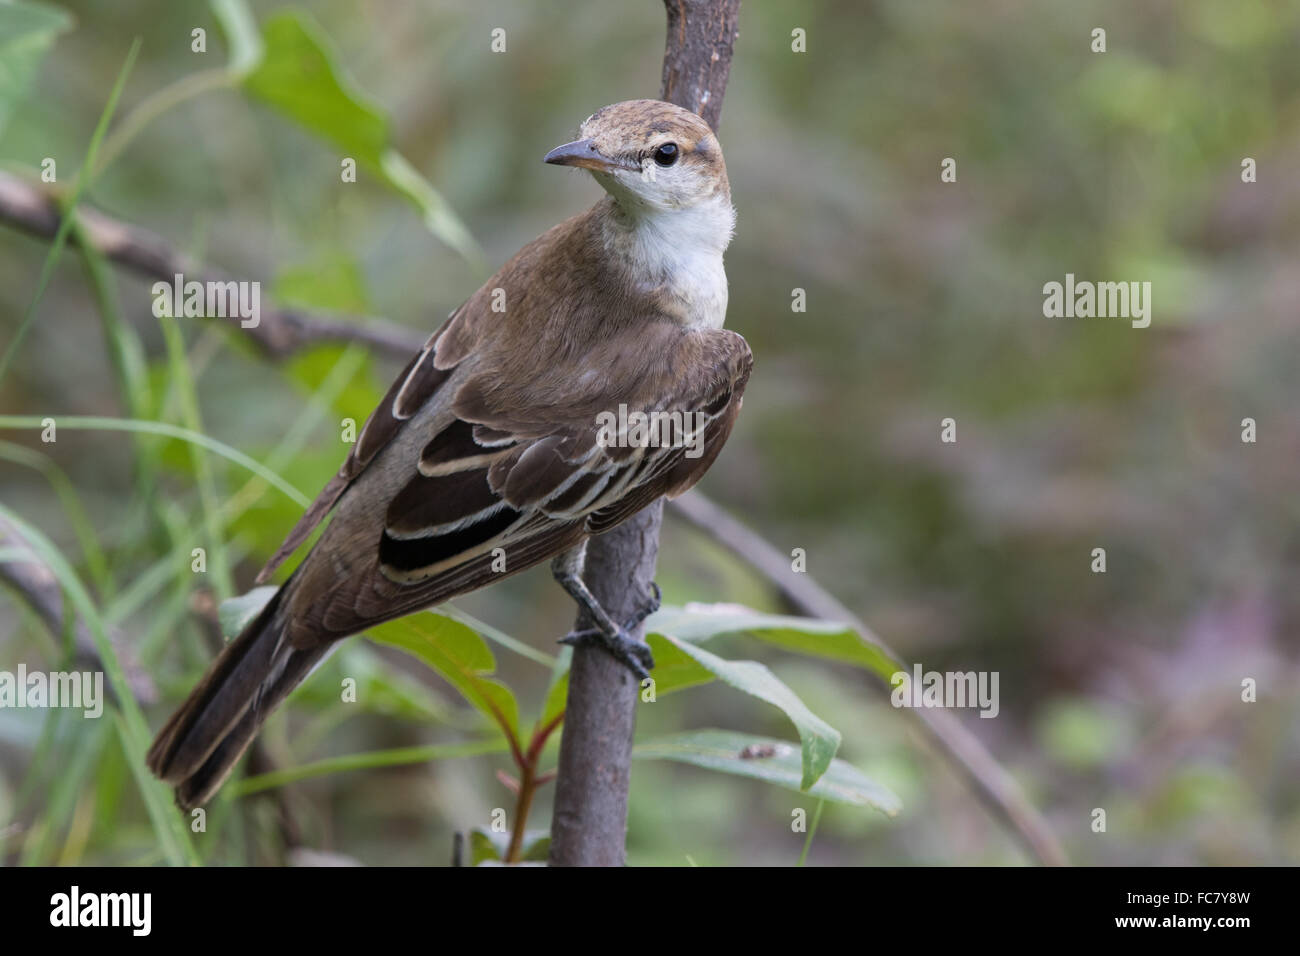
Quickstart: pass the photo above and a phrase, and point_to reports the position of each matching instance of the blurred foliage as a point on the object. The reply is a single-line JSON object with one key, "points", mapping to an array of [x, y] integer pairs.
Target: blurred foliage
{"points": [[1119, 690]]}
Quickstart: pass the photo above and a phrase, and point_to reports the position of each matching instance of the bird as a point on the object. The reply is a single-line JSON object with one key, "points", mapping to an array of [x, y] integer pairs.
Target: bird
{"points": [[493, 451]]}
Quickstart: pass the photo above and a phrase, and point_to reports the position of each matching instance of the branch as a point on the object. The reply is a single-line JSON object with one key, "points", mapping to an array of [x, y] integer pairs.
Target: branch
{"points": [[589, 825], [280, 332], [589, 822], [701, 38], [992, 784]]}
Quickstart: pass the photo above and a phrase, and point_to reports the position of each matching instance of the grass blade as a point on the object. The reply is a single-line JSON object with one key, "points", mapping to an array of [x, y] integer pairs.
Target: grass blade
{"points": [[101, 423], [65, 224]]}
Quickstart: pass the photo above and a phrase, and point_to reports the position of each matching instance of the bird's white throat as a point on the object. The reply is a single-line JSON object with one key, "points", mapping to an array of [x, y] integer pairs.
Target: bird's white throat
{"points": [[676, 253]]}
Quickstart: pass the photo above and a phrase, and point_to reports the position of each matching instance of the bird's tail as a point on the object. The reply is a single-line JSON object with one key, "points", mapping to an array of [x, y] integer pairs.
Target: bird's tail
{"points": [[201, 743]]}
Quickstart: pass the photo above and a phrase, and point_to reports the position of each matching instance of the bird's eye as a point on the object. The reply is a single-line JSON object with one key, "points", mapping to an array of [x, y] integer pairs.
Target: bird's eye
{"points": [[666, 154]]}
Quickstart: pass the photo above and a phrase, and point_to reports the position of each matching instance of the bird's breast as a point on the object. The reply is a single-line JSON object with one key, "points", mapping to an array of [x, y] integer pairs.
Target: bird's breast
{"points": [[675, 259]]}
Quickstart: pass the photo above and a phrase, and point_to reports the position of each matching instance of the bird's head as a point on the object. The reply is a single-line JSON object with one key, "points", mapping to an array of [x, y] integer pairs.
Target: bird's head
{"points": [[650, 156]]}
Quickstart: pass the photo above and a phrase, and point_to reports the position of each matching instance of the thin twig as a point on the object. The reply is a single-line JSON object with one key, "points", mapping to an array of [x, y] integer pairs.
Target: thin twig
{"points": [[279, 333]]}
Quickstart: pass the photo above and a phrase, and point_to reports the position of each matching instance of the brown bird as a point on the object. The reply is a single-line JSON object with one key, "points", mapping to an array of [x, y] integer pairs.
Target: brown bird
{"points": [[515, 434]]}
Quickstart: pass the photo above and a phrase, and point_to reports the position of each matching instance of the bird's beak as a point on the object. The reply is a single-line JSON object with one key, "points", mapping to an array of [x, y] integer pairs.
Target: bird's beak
{"points": [[583, 152]]}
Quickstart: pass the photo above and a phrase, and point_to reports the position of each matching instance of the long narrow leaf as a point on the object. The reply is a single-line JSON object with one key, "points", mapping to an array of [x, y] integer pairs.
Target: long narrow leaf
{"points": [[96, 423], [772, 761], [368, 761], [819, 739]]}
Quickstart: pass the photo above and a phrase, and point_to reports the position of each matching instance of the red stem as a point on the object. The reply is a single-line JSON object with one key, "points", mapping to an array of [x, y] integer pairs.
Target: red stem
{"points": [[529, 781]]}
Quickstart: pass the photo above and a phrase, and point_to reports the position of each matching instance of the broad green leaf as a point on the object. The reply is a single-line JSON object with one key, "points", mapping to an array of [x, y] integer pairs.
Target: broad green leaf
{"points": [[674, 668], [235, 613], [805, 635], [819, 739], [459, 655], [27, 31], [773, 761], [299, 76]]}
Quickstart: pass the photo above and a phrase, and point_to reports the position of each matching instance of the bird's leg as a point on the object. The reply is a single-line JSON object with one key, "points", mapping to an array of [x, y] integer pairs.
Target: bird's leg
{"points": [[615, 638]]}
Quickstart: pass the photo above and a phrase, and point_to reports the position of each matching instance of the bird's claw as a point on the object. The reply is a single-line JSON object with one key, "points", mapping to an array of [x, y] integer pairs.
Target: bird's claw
{"points": [[633, 654]]}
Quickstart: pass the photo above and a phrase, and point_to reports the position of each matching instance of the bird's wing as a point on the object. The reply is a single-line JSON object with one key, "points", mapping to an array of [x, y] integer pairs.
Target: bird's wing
{"points": [[410, 391], [509, 483]]}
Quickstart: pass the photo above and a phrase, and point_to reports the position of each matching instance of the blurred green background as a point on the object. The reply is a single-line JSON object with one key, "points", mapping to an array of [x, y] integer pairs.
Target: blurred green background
{"points": [[924, 301]]}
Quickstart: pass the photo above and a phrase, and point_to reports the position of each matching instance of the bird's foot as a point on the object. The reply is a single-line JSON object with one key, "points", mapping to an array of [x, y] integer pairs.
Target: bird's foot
{"points": [[627, 650]]}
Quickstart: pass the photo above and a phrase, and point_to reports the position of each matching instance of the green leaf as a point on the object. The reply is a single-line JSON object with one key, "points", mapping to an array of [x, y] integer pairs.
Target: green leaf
{"points": [[367, 761], [27, 31], [299, 76], [819, 739], [235, 613], [804, 635], [488, 846], [459, 655], [537, 846], [773, 761], [675, 669]]}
